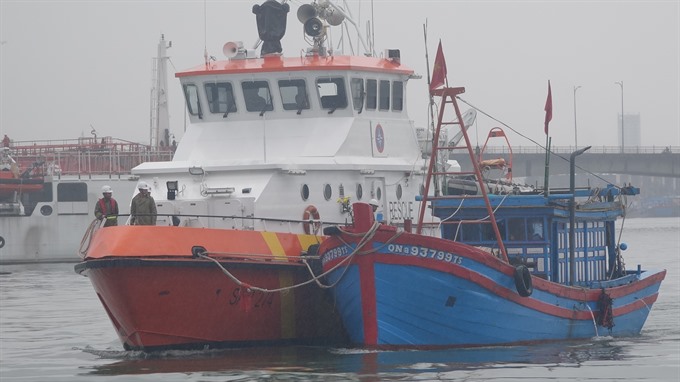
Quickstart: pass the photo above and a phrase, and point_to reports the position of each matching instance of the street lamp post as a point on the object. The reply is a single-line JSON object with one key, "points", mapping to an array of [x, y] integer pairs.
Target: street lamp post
{"points": [[623, 146], [575, 129]]}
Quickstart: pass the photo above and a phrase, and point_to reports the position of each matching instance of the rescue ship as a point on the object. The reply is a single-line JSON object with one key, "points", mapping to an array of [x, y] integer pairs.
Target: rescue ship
{"points": [[277, 148]]}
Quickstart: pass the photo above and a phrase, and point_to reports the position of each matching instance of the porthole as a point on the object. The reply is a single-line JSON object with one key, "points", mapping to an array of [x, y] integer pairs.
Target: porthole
{"points": [[304, 192], [46, 210], [399, 191], [327, 192], [378, 193], [360, 191]]}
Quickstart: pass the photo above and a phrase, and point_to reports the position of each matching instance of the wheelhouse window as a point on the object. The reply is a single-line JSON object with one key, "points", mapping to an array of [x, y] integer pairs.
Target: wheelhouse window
{"points": [[397, 96], [257, 95], [193, 103], [535, 227], [220, 98], [294, 95], [371, 94], [357, 88], [332, 93], [384, 95], [517, 229]]}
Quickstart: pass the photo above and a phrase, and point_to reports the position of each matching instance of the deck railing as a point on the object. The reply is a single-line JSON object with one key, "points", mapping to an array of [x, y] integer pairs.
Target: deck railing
{"points": [[593, 150], [86, 156]]}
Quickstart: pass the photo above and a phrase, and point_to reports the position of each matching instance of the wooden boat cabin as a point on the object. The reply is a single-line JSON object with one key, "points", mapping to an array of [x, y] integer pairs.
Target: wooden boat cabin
{"points": [[535, 231]]}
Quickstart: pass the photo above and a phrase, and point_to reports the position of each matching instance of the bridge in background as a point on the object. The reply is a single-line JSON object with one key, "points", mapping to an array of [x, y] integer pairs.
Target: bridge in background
{"points": [[641, 160]]}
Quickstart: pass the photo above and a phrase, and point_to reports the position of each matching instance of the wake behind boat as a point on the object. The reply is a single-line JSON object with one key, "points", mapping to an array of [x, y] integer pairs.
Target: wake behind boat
{"points": [[514, 266]]}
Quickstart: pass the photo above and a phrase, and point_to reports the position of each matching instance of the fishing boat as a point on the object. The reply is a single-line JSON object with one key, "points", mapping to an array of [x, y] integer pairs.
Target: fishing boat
{"points": [[48, 188], [510, 267], [277, 148]]}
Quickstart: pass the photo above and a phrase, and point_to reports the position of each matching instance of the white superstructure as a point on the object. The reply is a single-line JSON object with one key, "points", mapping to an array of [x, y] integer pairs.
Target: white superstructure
{"points": [[276, 137]]}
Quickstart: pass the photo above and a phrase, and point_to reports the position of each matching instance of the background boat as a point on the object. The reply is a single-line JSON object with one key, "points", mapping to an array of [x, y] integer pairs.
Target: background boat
{"points": [[48, 188]]}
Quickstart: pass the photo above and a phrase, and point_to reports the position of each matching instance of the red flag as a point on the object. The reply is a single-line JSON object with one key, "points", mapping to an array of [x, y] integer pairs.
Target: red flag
{"points": [[439, 70], [548, 109]]}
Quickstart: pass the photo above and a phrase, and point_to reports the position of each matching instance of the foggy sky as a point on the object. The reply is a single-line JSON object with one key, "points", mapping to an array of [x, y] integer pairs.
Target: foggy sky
{"points": [[66, 65]]}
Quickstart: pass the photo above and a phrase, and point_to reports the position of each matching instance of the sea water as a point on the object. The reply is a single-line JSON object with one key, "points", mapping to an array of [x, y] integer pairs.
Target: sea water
{"points": [[53, 328]]}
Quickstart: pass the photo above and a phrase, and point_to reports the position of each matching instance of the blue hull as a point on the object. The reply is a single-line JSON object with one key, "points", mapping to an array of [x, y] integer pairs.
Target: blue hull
{"points": [[389, 298]]}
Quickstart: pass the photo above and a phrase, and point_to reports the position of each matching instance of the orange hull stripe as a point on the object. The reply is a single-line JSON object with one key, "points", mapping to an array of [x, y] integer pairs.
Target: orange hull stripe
{"points": [[160, 241]]}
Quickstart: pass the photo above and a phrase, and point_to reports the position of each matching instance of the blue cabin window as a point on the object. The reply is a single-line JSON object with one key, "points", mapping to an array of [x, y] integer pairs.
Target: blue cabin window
{"points": [[590, 252]]}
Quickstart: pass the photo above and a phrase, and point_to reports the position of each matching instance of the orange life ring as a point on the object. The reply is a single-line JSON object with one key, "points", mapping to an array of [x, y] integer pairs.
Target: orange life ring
{"points": [[311, 227]]}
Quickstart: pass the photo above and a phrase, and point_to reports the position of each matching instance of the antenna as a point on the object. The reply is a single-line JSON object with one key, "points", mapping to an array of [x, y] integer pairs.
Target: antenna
{"points": [[205, 33]]}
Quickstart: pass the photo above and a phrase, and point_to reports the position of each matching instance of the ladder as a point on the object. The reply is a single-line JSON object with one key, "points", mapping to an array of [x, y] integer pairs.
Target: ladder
{"points": [[448, 98]]}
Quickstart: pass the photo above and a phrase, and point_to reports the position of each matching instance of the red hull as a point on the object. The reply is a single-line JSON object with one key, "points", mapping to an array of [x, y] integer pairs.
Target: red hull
{"points": [[179, 302]]}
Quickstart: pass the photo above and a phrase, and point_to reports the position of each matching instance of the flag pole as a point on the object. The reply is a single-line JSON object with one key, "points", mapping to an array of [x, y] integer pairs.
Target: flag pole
{"points": [[548, 141], [431, 106], [546, 190]]}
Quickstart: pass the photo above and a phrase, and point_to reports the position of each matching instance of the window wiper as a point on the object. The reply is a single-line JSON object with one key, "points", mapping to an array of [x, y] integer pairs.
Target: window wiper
{"points": [[331, 111], [302, 105], [229, 105], [264, 109], [361, 107]]}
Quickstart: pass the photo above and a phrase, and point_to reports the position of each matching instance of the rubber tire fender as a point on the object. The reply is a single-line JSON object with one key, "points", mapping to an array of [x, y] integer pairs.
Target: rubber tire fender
{"points": [[523, 281]]}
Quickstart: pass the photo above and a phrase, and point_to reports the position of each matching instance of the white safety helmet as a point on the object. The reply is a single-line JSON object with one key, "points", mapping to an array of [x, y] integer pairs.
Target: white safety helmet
{"points": [[374, 203], [143, 186], [107, 190]]}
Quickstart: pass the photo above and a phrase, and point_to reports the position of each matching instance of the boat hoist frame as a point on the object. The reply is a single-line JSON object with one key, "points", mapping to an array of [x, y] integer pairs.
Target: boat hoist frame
{"points": [[448, 97]]}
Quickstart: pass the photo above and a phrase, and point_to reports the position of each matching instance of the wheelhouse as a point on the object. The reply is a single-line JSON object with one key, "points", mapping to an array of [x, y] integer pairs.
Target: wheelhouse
{"points": [[292, 88]]}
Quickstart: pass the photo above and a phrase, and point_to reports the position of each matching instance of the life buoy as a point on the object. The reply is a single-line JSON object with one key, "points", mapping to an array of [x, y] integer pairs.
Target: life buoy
{"points": [[523, 281], [2, 241], [311, 223]]}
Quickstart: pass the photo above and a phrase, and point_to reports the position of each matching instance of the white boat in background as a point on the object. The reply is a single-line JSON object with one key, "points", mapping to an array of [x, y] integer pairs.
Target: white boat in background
{"points": [[44, 223], [48, 188]]}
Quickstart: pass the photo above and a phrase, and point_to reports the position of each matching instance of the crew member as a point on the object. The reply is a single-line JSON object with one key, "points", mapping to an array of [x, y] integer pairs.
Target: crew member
{"points": [[374, 204], [143, 207], [107, 208]]}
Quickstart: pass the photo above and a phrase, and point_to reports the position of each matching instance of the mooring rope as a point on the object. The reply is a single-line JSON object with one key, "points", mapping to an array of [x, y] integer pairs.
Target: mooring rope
{"points": [[87, 238], [366, 238]]}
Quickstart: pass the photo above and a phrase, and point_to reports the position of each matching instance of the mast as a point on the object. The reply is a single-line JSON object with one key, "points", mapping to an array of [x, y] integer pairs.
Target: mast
{"points": [[159, 129]]}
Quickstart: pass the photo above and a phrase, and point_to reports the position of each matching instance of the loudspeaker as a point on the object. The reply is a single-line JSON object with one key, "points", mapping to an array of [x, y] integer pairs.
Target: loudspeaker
{"points": [[313, 27], [335, 18], [230, 49], [306, 12]]}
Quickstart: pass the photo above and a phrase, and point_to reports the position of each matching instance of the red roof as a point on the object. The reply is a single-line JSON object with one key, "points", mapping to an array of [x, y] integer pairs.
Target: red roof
{"points": [[292, 64]]}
